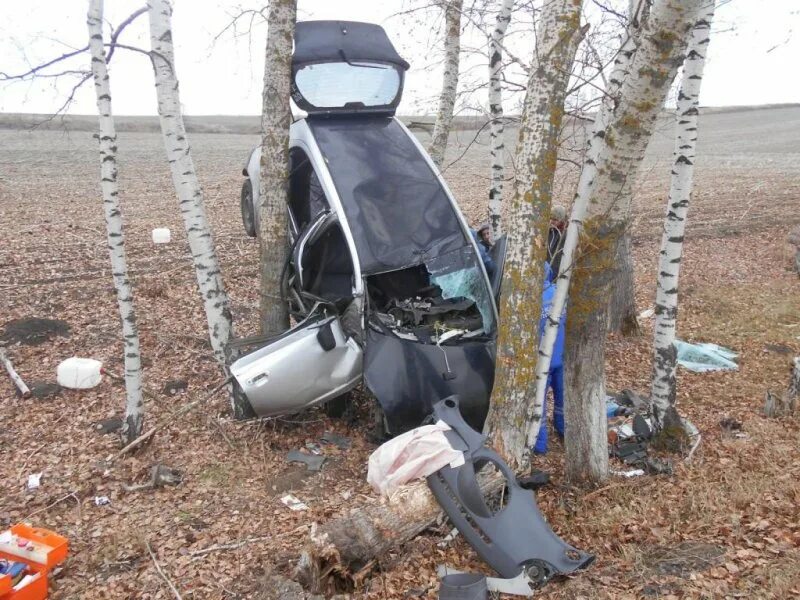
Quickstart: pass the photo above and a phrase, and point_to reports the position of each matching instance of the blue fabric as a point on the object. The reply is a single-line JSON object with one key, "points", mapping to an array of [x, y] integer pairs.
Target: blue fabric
{"points": [[555, 378], [488, 262]]}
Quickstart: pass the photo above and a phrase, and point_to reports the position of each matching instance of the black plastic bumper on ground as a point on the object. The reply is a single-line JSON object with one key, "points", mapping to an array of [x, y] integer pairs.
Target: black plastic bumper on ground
{"points": [[515, 538]]}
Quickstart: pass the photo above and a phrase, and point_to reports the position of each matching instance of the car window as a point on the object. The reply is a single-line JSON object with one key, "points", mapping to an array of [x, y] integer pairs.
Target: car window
{"points": [[339, 84], [306, 197]]}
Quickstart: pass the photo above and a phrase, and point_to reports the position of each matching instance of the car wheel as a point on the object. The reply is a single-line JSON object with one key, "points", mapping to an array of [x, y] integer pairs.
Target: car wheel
{"points": [[248, 210]]}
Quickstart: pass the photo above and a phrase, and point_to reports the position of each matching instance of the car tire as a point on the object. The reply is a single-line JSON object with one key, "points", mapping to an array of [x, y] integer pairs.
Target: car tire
{"points": [[248, 209], [337, 407]]}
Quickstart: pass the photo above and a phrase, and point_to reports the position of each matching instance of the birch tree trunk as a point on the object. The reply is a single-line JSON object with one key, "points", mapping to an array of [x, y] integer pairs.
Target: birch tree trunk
{"points": [[134, 406], [595, 145], [447, 99], [665, 359], [276, 117], [184, 178], [511, 409], [653, 67], [622, 304], [497, 130]]}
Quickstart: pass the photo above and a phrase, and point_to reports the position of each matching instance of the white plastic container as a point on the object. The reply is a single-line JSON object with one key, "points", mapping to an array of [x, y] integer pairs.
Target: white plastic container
{"points": [[79, 373], [161, 235]]}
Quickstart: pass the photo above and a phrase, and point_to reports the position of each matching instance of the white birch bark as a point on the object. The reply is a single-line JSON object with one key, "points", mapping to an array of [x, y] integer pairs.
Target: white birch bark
{"points": [[510, 412], [594, 146], [276, 117], [184, 178], [660, 50], [665, 360], [496, 128], [134, 406], [447, 98]]}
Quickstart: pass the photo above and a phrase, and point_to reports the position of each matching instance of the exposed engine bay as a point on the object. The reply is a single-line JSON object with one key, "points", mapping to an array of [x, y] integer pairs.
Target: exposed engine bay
{"points": [[431, 303]]}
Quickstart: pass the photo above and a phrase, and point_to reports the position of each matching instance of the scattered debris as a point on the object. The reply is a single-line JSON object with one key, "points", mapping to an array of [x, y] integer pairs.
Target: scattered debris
{"points": [[630, 473], [160, 476], [632, 400], [161, 235], [175, 386], [312, 462], [33, 331], [22, 389], [536, 480], [293, 502], [314, 448], [78, 373], [34, 481], [702, 358], [463, 586], [109, 425], [101, 500], [340, 441], [730, 424], [44, 389], [514, 586]]}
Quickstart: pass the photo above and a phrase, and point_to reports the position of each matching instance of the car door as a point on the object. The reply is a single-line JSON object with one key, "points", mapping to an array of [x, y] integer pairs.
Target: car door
{"points": [[310, 364]]}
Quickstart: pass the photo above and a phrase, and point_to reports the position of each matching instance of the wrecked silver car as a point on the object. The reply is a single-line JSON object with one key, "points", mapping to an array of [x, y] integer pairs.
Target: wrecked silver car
{"points": [[384, 278]]}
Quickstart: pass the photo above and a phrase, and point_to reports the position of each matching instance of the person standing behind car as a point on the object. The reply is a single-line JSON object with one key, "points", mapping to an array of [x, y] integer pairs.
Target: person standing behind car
{"points": [[483, 238], [555, 238]]}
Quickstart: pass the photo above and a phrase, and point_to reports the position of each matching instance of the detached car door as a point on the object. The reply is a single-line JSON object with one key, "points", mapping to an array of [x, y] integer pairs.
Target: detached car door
{"points": [[310, 364]]}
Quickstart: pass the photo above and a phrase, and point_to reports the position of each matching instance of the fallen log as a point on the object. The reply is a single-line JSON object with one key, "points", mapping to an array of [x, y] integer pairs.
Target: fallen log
{"points": [[341, 549], [24, 391]]}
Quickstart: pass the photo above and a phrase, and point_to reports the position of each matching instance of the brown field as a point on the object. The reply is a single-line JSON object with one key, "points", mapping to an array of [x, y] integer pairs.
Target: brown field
{"points": [[730, 515]]}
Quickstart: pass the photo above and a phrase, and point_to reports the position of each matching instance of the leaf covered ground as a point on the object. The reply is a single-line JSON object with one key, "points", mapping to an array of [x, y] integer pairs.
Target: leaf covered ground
{"points": [[724, 525]]}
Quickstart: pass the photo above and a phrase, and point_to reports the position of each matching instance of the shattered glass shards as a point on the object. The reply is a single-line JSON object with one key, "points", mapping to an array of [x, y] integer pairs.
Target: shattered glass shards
{"points": [[458, 274]]}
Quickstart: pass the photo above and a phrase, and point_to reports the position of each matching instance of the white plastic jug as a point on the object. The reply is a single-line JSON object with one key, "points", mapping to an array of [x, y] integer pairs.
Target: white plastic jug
{"points": [[79, 373], [161, 235]]}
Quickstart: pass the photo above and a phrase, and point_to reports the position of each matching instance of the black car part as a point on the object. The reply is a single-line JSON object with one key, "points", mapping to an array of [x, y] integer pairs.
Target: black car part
{"points": [[463, 586], [514, 539]]}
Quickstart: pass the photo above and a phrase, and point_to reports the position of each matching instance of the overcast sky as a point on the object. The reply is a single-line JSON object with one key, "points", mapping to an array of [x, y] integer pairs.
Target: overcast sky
{"points": [[753, 58]]}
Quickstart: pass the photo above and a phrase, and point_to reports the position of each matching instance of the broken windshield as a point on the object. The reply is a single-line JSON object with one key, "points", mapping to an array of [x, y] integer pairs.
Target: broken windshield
{"points": [[458, 275]]}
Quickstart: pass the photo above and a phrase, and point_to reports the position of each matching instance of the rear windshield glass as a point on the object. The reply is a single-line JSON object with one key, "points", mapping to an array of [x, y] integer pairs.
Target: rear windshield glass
{"points": [[338, 84]]}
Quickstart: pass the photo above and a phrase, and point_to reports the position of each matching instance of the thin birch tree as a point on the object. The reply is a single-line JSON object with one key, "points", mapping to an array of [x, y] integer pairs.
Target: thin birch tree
{"points": [[654, 65], [496, 126], [276, 117], [511, 409], [134, 406], [665, 359], [184, 178], [595, 145], [447, 98]]}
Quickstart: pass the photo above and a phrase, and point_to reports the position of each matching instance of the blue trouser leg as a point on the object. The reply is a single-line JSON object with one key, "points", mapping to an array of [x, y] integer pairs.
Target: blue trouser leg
{"points": [[556, 380], [541, 440]]}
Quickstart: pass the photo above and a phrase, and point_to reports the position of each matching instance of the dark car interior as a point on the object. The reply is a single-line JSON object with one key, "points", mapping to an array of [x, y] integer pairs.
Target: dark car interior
{"points": [[326, 262]]}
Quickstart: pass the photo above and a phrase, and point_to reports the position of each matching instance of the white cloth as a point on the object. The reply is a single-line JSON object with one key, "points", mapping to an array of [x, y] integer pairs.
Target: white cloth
{"points": [[412, 455]]}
